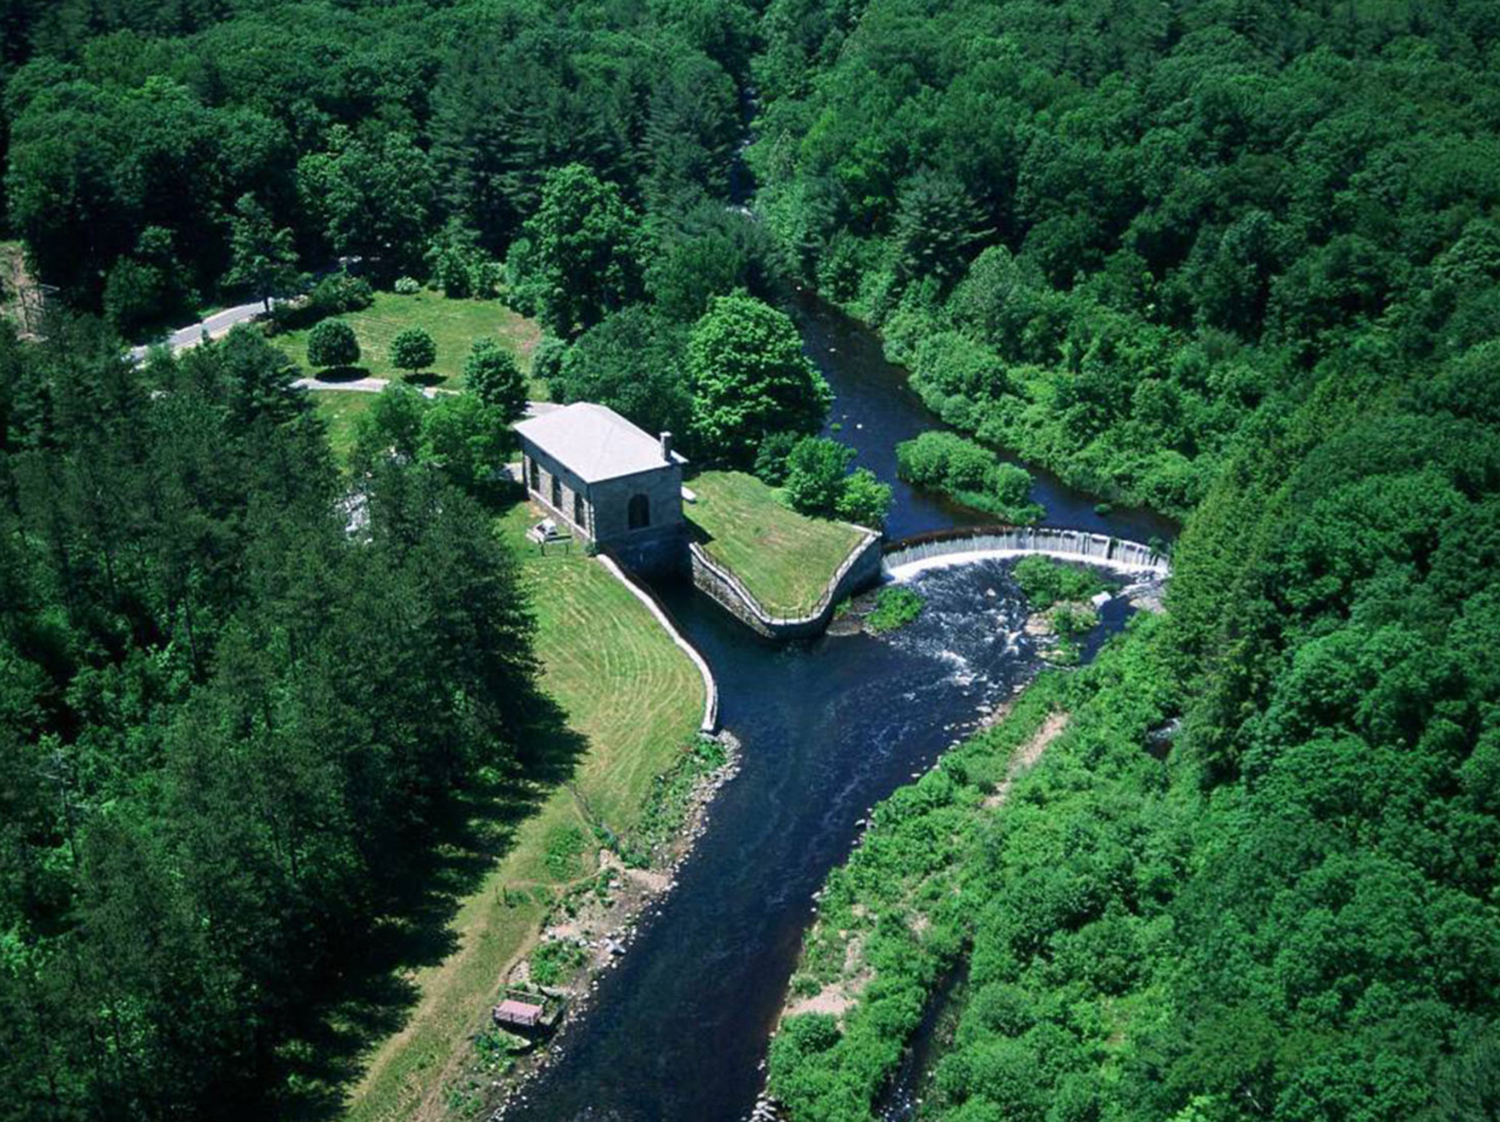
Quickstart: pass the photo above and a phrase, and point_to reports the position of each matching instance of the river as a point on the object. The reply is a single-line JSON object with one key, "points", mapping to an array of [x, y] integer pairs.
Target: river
{"points": [[679, 1030]]}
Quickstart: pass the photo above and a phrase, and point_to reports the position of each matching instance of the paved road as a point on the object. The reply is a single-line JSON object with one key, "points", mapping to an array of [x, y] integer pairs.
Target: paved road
{"points": [[214, 326]]}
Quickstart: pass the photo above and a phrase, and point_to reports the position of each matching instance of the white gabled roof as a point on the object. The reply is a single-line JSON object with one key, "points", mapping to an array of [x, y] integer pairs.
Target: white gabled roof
{"points": [[594, 442]]}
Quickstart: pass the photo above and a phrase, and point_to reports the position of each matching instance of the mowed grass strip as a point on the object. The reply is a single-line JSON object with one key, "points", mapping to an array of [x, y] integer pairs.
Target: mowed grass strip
{"points": [[635, 699], [784, 558], [453, 325], [341, 411]]}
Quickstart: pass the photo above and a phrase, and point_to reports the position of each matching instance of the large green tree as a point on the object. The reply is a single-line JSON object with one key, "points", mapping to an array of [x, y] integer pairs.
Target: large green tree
{"points": [[750, 378], [585, 242], [263, 259]]}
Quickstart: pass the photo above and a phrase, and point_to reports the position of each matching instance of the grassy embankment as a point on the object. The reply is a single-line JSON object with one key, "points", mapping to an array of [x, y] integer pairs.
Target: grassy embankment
{"points": [[632, 701], [786, 559]]}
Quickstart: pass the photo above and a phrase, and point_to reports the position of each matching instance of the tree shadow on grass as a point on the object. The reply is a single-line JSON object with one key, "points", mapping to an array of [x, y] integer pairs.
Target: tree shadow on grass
{"points": [[374, 993], [333, 375], [426, 380]]}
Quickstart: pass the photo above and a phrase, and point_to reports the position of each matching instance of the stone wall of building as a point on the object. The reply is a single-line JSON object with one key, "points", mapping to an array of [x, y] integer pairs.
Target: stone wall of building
{"points": [[599, 513], [662, 488], [538, 470]]}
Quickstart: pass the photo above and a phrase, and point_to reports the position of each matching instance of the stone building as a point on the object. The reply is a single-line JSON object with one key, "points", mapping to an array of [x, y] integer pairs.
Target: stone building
{"points": [[610, 483]]}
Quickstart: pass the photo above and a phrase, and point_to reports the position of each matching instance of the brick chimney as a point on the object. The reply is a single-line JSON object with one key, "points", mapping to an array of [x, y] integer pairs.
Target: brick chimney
{"points": [[666, 446]]}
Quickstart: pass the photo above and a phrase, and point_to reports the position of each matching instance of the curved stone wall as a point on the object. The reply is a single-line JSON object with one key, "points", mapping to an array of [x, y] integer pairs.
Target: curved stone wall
{"points": [[710, 722], [859, 570]]}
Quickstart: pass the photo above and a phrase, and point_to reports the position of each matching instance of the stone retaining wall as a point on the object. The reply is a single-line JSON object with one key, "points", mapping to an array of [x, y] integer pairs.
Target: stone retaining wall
{"points": [[858, 571]]}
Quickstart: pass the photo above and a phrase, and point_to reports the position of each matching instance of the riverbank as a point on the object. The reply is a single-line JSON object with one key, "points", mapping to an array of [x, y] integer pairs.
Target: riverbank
{"points": [[891, 920], [917, 898], [631, 704]]}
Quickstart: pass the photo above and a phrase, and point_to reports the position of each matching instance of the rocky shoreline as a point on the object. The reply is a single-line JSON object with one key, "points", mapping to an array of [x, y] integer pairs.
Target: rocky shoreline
{"points": [[605, 932]]}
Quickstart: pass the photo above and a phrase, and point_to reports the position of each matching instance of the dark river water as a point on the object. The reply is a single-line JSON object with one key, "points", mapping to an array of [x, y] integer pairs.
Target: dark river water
{"points": [[828, 728]]}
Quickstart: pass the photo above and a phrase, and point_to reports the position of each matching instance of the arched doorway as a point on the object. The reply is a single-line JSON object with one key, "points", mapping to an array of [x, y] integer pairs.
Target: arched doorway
{"points": [[638, 513]]}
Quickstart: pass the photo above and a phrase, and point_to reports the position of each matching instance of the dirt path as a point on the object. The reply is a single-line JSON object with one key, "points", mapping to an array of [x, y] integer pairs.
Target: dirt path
{"points": [[1027, 755]]}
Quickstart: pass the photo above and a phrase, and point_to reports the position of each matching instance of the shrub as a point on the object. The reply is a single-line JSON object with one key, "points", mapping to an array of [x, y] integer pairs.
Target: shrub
{"points": [[865, 500], [815, 475], [895, 607], [553, 962], [970, 472], [772, 456], [547, 359], [1046, 582], [924, 460], [332, 343], [407, 286], [413, 349], [339, 294]]}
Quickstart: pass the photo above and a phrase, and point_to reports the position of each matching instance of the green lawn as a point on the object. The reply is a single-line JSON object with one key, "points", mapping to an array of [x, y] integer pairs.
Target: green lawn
{"points": [[786, 559], [453, 325], [341, 410], [636, 700]]}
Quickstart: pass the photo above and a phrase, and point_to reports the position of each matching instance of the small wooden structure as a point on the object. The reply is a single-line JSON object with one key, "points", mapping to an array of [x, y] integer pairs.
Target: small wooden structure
{"points": [[526, 1012]]}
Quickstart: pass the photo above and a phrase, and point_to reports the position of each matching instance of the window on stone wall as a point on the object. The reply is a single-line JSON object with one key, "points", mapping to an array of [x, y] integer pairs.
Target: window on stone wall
{"points": [[638, 513], [556, 493], [579, 514], [536, 477]]}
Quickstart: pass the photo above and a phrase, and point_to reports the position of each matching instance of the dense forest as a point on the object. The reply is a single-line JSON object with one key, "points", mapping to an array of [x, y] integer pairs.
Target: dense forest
{"points": [[1237, 262], [1230, 259]]}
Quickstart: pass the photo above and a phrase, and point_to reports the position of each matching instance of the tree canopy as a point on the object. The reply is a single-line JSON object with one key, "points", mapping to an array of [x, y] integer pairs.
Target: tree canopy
{"points": [[749, 378]]}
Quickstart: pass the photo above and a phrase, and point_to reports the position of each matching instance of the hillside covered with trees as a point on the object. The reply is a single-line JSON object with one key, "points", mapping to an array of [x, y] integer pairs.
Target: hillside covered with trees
{"points": [[1238, 262], [1229, 259]]}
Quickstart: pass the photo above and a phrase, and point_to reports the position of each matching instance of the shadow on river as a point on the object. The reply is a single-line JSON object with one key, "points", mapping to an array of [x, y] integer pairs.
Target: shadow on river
{"points": [[829, 727]]}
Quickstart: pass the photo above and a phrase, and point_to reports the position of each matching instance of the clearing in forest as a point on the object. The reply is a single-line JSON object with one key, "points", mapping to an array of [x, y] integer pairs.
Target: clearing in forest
{"points": [[631, 701], [453, 325], [784, 558]]}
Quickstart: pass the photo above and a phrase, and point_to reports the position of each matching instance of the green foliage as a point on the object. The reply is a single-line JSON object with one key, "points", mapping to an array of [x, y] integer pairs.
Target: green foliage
{"points": [[633, 363], [392, 427], [459, 266], [583, 250], [263, 258], [493, 375], [373, 199], [555, 961], [465, 438], [670, 801], [339, 294], [815, 479], [772, 457], [969, 472], [411, 350], [332, 343], [225, 757], [750, 378], [815, 475], [865, 500], [565, 847], [1046, 582], [895, 606]]}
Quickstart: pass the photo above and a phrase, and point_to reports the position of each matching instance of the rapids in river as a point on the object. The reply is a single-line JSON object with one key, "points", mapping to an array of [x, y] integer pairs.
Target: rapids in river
{"points": [[678, 1032]]}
